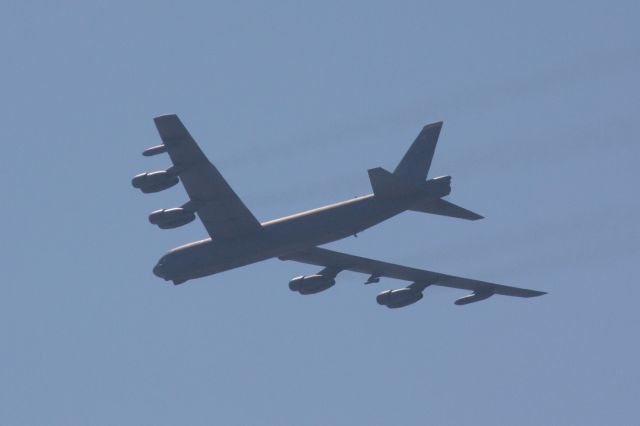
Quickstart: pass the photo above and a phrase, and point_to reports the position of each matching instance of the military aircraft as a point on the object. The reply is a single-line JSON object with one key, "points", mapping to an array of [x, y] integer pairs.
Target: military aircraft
{"points": [[237, 238]]}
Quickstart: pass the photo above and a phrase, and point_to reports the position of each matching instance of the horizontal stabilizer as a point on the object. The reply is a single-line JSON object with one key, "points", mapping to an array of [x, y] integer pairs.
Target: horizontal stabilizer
{"points": [[445, 208]]}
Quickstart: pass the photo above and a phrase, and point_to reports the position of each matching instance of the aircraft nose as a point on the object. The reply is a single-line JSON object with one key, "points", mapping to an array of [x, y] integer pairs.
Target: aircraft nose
{"points": [[158, 269]]}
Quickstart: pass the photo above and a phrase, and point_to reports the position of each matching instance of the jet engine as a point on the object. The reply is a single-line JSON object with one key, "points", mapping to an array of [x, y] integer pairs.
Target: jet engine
{"points": [[171, 218], [154, 181], [311, 284], [399, 298]]}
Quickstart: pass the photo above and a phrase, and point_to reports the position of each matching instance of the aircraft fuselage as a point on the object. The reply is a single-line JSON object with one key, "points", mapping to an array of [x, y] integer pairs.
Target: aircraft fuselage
{"points": [[279, 237]]}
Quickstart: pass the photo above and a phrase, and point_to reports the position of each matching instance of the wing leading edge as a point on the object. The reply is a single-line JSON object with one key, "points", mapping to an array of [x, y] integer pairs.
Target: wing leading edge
{"points": [[421, 278], [217, 205]]}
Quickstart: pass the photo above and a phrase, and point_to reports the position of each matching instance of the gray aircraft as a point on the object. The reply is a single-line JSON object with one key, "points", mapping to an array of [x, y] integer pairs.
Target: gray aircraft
{"points": [[237, 238]]}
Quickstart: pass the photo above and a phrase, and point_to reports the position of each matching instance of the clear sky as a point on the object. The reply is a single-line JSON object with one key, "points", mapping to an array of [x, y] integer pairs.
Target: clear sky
{"points": [[294, 101]]}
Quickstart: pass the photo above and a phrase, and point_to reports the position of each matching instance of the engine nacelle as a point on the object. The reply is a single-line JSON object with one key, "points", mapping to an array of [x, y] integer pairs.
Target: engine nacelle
{"points": [[171, 218], [154, 181], [311, 284], [399, 298]]}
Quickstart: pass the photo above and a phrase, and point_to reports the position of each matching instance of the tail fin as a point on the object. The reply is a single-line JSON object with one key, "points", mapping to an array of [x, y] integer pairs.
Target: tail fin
{"points": [[409, 178], [411, 172], [385, 183], [416, 162]]}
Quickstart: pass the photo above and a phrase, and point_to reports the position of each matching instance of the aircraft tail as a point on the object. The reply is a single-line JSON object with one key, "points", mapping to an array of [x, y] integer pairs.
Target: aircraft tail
{"points": [[409, 179], [445, 208], [385, 183], [415, 164]]}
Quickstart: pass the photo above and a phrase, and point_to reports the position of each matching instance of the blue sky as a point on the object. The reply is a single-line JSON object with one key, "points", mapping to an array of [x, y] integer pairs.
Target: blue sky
{"points": [[294, 102]]}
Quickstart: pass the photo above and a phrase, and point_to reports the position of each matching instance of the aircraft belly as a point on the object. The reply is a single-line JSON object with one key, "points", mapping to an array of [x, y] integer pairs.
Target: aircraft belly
{"points": [[225, 255], [297, 233]]}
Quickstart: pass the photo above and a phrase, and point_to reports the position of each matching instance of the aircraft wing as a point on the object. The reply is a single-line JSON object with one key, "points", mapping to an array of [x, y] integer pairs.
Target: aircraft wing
{"points": [[337, 262], [218, 207]]}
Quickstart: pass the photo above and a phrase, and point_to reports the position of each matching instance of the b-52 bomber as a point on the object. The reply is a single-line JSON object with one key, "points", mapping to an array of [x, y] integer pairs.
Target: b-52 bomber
{"points": [[237, 238]]}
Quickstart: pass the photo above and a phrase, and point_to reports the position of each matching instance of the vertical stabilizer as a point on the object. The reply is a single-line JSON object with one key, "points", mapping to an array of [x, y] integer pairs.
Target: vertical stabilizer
{"points": [[385, 183], [416, 162]]}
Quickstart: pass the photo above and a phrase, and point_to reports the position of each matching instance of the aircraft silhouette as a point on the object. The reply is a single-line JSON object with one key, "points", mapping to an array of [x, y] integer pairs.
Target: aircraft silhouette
{"points": [[237, 238]]}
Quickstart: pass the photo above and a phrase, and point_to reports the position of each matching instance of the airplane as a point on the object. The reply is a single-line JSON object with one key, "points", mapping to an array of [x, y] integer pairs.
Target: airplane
{"points": [[237, 238]]}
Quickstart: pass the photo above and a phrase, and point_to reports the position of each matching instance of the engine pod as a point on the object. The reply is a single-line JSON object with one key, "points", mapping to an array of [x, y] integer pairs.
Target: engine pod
{"points": [[399, 298], [311, 284], [154, 181], [171, 218]]}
